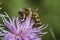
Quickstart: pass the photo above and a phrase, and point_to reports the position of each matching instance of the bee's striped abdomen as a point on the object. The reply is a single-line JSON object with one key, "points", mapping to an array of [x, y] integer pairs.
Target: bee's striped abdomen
{"points": [[36, 18]]}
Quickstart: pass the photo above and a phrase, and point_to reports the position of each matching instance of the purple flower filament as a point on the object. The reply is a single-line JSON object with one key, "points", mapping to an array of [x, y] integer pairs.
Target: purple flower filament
{"points": [[21, 31]]}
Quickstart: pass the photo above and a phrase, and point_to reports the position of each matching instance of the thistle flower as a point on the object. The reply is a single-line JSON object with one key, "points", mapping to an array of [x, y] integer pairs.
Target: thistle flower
{"points": [[21, 31]]}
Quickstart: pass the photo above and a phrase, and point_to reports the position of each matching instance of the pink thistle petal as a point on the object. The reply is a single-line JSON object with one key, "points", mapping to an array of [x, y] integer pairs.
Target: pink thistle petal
{"points": [[9, 25]]}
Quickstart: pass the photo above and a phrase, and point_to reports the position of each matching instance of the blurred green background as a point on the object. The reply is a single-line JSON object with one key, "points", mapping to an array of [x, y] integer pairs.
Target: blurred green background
{"points": [[49, 12]]}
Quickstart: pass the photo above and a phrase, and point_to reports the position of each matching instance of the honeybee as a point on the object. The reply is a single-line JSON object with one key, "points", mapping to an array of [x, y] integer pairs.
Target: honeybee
{"points": [[24, 12]]}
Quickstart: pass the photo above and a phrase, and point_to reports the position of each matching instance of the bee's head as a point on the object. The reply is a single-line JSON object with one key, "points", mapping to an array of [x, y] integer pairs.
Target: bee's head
{"points": [[24, 11]]}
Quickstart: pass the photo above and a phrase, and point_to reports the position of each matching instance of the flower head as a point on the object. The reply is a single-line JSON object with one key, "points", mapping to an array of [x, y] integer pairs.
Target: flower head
{"points": [[21, 31]]}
